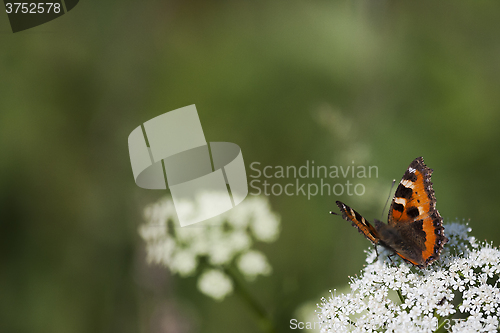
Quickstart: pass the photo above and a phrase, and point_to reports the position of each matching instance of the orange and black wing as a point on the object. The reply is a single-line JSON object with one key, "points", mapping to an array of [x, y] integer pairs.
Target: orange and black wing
{"points": [[413, 213], [359, 222]]}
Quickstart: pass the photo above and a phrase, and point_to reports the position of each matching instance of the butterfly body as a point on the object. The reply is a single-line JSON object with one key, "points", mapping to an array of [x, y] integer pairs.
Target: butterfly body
{"points": [[415, 229]]}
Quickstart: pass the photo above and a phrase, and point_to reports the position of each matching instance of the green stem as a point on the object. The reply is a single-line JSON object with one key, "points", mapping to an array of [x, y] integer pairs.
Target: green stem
{"points": [[264, 320], [401, 298], [442, 325]]}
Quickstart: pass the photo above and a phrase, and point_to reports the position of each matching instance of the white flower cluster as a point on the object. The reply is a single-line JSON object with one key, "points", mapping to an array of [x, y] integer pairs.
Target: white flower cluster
{"points": [[457, 293], [216, 284], [228, 239]]}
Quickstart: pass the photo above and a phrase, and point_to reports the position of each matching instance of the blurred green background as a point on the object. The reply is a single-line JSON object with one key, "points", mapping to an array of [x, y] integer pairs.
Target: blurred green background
{"points": [[377, 82]]}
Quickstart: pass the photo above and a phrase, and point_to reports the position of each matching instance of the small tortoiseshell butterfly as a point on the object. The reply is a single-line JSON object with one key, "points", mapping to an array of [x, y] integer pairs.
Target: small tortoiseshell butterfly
{"points": [[415, 229]]}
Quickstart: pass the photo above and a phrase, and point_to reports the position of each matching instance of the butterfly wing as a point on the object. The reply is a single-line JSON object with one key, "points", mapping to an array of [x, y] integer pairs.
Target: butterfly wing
{"points": [[359, 222], [413, 213]]}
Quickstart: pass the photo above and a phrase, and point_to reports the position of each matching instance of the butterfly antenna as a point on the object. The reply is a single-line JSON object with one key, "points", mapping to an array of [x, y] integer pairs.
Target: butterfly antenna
{"points": [[392, 186]]}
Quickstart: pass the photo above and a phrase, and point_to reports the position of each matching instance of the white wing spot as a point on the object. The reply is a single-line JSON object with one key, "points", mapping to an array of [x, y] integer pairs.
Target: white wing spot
{"points": [[411, 170], [401, 201], [407, 183]]}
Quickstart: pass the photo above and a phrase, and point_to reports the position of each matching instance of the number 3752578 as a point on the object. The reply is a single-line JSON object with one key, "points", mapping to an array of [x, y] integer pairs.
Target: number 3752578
{"points": [[32, 8]]}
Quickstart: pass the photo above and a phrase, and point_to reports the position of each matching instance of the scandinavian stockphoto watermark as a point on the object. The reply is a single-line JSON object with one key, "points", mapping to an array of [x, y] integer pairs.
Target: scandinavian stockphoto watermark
{"points": [[170, 151], [447, 324], [304, 325], [310, 179]]}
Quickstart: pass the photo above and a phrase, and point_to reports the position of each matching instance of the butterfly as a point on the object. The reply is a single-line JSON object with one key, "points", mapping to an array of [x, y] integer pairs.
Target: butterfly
{"points": [[414, 229]]}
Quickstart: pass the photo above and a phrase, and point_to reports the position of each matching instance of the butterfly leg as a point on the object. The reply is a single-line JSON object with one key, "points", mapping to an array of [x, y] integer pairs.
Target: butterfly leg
{"points": [[376, 251], [389, 257]]}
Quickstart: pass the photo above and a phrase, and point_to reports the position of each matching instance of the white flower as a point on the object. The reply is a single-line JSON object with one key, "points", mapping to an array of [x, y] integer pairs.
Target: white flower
{"points": [[160, 252], [184, 263], [265, 224], [220, 243], [159, 212], [220, 253], [240, 241], [265, 227], [216, 284], [151, 232], [462, 283], [253, 263]]}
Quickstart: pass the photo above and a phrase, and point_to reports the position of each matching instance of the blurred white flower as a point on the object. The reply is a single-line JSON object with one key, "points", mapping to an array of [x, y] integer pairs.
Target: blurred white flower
{"points": [[215, 283], [253, 263], [160, 252], [265, 228], [220, 253], [265, 224], [158, 213], [462, 283], [240, 240], [183, 262], [182, 249], [256, 213]]}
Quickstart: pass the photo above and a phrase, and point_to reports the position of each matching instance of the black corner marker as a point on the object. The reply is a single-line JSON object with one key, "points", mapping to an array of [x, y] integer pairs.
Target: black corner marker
{"points": [[26, 14], [70, 4]]}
